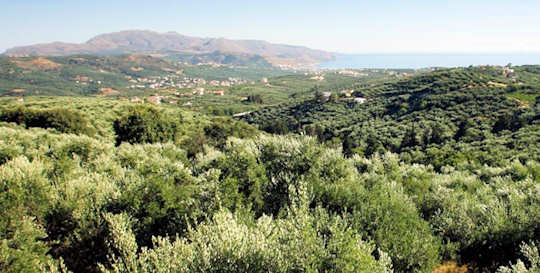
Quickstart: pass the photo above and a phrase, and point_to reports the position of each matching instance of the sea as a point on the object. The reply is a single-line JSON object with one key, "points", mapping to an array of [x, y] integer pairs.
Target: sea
{"points": [[424, 60]]}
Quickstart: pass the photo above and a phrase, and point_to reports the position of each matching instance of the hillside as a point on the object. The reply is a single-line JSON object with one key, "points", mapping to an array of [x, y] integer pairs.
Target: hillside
{"points": [[172, 43], [152, 188], [218, 57], [217, 89], [77, 75], [124, 75], [462, 114]]}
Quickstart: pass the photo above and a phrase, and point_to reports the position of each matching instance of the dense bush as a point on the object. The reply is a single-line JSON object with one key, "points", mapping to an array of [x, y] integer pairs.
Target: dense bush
{"points": [[216, 133], [61, 119], [323, 207], [146, 124], [24, 195], [532, 258], [228, 244]]}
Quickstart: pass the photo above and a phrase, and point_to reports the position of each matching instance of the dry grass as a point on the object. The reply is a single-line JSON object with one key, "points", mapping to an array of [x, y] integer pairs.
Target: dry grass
{"points": [[38, 63], [450, 267], [108, 92], [497, 84]]}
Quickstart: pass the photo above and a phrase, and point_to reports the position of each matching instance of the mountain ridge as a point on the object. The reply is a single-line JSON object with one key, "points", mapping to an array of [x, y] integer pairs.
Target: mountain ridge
{"points": [[147, 41]]}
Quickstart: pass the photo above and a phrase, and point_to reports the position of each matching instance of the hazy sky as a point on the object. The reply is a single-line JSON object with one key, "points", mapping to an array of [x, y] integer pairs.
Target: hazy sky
{"points": [[339, 25]]}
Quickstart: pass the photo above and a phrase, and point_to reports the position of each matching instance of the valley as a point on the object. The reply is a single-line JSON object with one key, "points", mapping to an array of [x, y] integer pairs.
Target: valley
{"points": [[224, 89]]}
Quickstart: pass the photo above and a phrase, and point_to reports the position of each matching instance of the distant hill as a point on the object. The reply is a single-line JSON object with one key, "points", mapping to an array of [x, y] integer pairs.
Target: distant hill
{"points": [[232, 59], [89, 75], [148, 42]]}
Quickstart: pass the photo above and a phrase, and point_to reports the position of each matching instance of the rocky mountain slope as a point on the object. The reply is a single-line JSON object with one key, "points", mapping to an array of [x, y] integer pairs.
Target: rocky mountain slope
{"points": [[139, 41]]}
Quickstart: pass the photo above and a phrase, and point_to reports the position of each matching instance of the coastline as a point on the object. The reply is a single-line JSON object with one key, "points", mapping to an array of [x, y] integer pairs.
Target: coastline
{"points": [[424, 60]]}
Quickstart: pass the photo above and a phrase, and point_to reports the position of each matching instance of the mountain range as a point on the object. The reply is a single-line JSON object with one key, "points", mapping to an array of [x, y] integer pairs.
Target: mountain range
{"points": [[173, 43]]}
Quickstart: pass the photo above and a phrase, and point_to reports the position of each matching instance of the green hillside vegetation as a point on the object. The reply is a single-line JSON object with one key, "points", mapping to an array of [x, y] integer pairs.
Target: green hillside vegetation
{"points": [[85, 75], [439, 118], [99, 114], [424, 180], [75, 75], [224, 72], [302, 86], [128, 76], [284, 89], [237, 59]]}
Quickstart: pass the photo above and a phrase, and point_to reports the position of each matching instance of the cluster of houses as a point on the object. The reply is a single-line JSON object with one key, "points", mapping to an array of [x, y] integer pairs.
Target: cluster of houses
{"points": [[365, 72], [159, 98], [84, 80], [352, 73], [317, 78], [289, 67], [229, 82], [509, 72], [160, 82], [398, 74], [200, 91]]}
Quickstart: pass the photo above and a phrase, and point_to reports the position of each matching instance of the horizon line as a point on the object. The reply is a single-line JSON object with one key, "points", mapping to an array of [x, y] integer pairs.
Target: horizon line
{"points": [[282, 43]]}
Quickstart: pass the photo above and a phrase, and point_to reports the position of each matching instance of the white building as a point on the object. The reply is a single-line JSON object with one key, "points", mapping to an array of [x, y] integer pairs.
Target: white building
{"points": [[360, 100]]}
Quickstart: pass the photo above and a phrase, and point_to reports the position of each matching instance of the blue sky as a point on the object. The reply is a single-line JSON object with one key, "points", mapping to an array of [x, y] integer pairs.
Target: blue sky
{"points": [[338, 26]]}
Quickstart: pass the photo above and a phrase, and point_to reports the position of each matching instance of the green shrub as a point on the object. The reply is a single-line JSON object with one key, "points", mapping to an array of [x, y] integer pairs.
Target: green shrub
{"points": [[62, 119], [229, 244], [24, 200], [144, 124], [532, 258]]}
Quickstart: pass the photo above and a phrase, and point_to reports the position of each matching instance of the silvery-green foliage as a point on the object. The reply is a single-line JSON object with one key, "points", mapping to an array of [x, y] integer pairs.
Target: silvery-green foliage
{"points": [[222, 245], [227, 244], [332, 168], [62, 153], [339, 249], [21, 250], [302, 241], [392, 221], [85, 198], [502, 206], [150, 158], [25, 197], [474, 211], [24, 187], [531, 264], [243, 178], [329, 213], [52, 266], [382, 211], [122, 242], [206, 160]]}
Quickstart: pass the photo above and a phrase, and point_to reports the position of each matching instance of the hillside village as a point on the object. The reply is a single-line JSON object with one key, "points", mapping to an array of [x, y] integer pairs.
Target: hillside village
{"points": [[176, 86], [158, 82]]}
